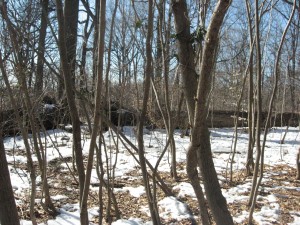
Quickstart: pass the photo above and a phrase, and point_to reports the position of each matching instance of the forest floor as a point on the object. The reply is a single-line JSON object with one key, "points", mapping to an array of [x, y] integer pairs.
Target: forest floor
{"points": [[278, 200]]}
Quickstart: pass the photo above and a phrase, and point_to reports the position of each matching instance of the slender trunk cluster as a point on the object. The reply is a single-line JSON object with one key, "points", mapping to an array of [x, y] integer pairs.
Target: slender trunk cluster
{"points": [[142, 117], [259, 161], [97, 113]]}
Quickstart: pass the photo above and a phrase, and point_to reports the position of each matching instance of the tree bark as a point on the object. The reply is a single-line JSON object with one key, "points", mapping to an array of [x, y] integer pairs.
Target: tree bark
{"points": [[8, 209], [71, 8], [200, 132], [189, 80], [185, 54], [250, 160], [38, 86]]}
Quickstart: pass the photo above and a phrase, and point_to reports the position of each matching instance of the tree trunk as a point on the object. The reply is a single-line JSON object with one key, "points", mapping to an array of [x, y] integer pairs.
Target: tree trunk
{"points": [[83, 78], [259, 107], [8, 208], [239, 102], [200, 133], [97, 113], [193, 175], [69, 87], [186, 55], [71, 8], [189, 80], [140, 139], [38, 86], [163, 49], [250, 160]]}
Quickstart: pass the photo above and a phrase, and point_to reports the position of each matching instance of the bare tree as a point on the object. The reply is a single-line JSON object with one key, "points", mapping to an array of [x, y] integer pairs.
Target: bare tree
{"points": [[142, 117], [259, 161], [163, 72], [291, 72], [251, 132], [97, 113], [24, 133], [258, 101], [21, 75], [67, 60]]}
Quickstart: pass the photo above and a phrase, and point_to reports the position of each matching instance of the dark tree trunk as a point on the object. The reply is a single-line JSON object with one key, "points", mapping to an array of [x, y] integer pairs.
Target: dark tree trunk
{"points": [[186, 55], [38, 86], [8, 208], [250, 160], [71, 8]]}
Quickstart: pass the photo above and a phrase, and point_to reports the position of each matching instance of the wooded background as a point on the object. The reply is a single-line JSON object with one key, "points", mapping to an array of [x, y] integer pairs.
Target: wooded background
{"points": [[169, 64]]}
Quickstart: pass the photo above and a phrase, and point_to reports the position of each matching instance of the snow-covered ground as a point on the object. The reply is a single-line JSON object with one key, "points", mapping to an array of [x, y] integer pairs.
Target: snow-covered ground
{"points": [[170, 207]]}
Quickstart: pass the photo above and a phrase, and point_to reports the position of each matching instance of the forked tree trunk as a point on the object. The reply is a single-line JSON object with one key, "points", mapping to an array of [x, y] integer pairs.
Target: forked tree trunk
{"points": [[189, 83], [200, 134]]}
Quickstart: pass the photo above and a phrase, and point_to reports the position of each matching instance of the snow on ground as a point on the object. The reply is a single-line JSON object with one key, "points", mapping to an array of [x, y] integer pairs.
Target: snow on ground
{"points": [[173, 208], [59, 143]]}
